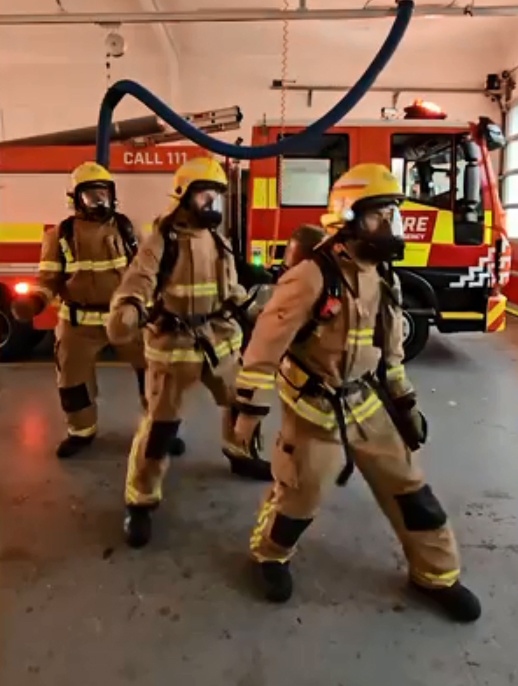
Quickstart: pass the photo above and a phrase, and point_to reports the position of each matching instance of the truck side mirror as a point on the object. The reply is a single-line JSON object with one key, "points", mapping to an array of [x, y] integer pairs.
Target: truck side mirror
{"points": [[491, 133]]}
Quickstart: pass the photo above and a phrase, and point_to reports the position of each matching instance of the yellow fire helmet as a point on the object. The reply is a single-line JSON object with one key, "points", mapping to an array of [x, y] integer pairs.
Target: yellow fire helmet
{"points": [[202, 170], [86, 174], [363, 184]]}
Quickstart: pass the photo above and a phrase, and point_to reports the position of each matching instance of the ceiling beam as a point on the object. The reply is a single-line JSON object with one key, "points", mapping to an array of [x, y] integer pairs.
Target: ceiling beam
{"points": [[254, 15]]}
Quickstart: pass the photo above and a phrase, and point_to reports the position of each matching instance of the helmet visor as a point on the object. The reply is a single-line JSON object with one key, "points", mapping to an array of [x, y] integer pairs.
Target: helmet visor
{"points": [[93, 198]]}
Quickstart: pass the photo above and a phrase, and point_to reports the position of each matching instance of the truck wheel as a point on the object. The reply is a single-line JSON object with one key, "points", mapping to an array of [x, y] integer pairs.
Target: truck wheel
{"points": [[416, 329], [15, 337]]}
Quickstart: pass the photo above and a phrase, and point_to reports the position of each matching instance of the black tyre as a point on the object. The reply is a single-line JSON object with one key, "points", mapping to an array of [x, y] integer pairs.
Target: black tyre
{"points": [[16, 338], [416, 328]]}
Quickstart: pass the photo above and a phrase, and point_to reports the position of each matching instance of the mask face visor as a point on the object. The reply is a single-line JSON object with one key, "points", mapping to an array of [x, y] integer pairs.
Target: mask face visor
{"points": [[207, 207], [93, 198], [397, 223]]}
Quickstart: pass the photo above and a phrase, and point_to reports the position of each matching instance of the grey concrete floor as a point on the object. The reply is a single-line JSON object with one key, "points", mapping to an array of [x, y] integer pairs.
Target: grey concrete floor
{"points": [[78, 608]]}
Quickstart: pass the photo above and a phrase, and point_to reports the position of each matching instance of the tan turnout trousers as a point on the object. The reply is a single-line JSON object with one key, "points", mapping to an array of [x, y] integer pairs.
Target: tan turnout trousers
{"points": [[308, 455], [306, 462], [75, 353]]}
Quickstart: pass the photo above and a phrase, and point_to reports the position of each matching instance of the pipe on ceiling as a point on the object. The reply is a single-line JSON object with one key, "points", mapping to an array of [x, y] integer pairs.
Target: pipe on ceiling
{"points": [[277, 85], [253, 15]]}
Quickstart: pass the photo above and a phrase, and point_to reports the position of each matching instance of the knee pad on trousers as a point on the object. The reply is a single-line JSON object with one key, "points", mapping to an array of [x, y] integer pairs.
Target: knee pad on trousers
{"points": [[141, 380], [75, 398], [159, 437], [421, 510], [286, 531]]}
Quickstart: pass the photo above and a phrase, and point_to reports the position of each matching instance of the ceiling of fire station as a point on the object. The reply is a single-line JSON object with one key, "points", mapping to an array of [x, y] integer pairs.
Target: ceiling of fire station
{"points": [[494, 36], [437, 51]]}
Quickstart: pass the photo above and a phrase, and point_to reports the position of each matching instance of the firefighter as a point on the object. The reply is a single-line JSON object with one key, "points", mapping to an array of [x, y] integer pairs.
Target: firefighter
{"points": [[82, 262], [329, 322], [187, 271]]}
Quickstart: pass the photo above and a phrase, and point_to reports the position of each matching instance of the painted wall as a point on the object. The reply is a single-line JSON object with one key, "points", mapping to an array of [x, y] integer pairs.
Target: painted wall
{"points": [[54, 77], [445, 53]]}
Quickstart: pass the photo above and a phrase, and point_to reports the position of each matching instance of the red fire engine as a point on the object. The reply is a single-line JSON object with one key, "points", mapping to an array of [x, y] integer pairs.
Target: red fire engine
{"points": [[457, 255]]}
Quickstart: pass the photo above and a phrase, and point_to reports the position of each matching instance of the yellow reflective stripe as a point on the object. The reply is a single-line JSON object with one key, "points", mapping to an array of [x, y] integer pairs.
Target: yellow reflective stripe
{"points": [[261, 380], [262, 520], [73, 266], [47, 266], [396, 373], [306, 411], [258, 376], [361, 332], [444, 579], [327, 420], [195, 289], [360, 336], [67, 253], [361, 341], [96, 266], [462, 315], [84, 433], [191, 354], [365, 410], [132, 495], [226, 347], [84, 318], [172, 356]]}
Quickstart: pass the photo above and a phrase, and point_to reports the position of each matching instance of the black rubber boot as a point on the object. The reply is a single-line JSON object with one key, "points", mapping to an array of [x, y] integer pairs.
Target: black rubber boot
{"points": [[176, 447], [73, 445], [276, 581], [251, 468], [137, 526], [457, 601]]}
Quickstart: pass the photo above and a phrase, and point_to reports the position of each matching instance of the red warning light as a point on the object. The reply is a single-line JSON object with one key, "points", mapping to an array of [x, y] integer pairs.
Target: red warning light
{"points": [[421, 109]]}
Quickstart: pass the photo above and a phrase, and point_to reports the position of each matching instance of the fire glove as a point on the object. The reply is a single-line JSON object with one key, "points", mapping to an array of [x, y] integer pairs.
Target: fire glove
{"points": [[27, 307], [124, 321], [411, 422]]}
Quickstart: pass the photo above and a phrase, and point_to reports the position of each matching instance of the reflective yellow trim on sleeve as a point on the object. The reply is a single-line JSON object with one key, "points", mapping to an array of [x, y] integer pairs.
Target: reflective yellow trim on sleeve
{"points": [[47, 266], [255, 380], [396, 373], [360, 336]]}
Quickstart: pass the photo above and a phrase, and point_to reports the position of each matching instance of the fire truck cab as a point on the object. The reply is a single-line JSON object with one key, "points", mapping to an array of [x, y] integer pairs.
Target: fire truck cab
{"points": [[457, 255]]}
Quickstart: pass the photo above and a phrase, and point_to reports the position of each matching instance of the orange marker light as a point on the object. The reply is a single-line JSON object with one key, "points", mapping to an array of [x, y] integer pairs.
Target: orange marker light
{"points": [[21, 288], [421, 109]]}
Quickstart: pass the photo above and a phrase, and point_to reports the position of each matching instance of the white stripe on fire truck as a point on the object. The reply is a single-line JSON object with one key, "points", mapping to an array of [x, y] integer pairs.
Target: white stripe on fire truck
{"points": [[19, 268]]}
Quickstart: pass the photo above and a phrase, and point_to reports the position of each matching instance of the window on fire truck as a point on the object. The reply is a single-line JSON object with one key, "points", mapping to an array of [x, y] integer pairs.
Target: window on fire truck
{"points": [[441, 171], [307, 176]]}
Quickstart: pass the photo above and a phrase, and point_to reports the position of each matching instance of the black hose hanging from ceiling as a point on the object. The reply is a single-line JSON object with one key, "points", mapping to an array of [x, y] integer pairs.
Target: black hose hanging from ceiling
{"points": [[291, 144]]}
